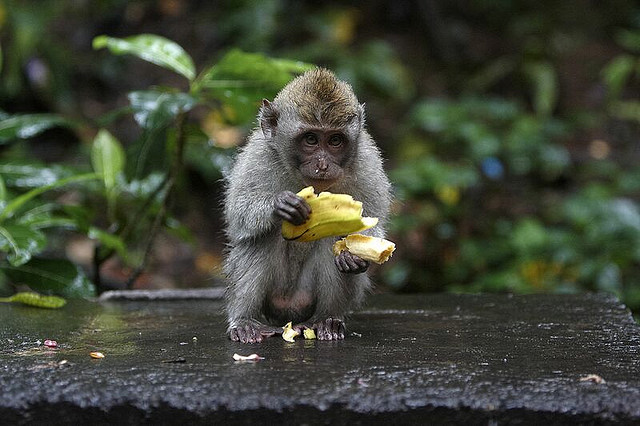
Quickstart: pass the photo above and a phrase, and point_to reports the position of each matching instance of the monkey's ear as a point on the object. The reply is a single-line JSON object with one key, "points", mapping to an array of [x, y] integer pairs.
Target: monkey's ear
{"points": [[268, 119], [361, 114], [356, 122]]}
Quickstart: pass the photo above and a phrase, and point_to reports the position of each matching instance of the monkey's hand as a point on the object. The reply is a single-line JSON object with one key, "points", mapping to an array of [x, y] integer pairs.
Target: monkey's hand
{"points": [[292, 208], [349, 263], [251, 331]]}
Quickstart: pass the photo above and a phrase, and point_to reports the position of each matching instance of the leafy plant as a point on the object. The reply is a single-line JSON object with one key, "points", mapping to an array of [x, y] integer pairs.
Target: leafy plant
{"points": [[137, 184]]}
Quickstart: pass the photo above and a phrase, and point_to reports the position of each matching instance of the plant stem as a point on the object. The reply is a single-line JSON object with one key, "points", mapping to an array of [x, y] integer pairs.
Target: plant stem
{"points": [[174, 172]]}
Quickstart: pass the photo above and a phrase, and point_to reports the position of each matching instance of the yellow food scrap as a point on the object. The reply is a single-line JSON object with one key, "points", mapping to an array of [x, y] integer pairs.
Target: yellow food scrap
{"points": [[374, 249], [288, 332], [309, 334], [96, 355], [331, 215]]}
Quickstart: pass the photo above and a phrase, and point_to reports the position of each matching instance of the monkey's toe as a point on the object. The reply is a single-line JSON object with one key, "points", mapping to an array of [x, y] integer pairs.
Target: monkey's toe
{"points": [[330, 329]]}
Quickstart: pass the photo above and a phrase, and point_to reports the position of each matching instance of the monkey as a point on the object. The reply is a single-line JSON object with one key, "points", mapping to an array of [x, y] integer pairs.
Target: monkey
{"points": [[312, 133]]}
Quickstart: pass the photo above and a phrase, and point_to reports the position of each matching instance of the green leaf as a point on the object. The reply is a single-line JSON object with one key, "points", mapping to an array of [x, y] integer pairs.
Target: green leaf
{"points": [[20, 242], [108, 240], [545, 87], [36, 300], [241, 80], [152, 48], [107, 158], [19, 201], [42, 216], [617, 73], [27, 176], [57, 276], [154, 108], [29, 125], [629, 39]]}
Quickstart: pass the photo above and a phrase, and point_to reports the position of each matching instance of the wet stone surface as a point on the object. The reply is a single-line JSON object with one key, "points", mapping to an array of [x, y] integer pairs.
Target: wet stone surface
{"points": [[407, 359]]}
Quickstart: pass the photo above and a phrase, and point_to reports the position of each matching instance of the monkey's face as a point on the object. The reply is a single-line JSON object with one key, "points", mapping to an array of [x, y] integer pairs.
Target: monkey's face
{"points": [[321, 155]]}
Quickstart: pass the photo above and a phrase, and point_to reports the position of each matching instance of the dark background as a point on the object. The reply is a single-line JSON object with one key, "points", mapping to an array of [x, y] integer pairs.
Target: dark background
{"points": [[510, 128]]}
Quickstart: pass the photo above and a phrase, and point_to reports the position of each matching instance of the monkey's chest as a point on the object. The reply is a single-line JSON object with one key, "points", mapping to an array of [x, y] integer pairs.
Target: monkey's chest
{"points": [[297, 307]]}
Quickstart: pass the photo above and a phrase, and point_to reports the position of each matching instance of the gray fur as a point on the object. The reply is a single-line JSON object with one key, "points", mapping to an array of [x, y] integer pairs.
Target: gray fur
{"points": [[259, 262]]}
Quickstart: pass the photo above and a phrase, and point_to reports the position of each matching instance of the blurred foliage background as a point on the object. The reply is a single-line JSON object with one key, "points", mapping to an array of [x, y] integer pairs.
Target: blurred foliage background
{"points": [[511, 131]]}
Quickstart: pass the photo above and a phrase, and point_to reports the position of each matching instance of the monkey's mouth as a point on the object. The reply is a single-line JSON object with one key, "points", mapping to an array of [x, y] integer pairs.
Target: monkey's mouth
{"points": [[320, 184]]}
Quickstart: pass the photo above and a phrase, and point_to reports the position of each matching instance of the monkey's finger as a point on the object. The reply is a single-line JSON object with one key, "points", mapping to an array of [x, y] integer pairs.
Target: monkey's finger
{"points": [[323, 332], [289, 201], [341, 330], [291, 214], [363, 265], [233, 334], [337, 329], [350, 261], [270, 331], [331, 328], [341, 264]]}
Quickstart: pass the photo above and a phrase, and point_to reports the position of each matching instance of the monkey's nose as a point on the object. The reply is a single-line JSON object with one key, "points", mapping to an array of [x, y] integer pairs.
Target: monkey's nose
{"points": [[322, 164]]}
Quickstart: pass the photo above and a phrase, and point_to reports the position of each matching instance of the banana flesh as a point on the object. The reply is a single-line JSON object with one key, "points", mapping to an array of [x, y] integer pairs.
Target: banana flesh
{"points": [[331, 215], [373, 249]]}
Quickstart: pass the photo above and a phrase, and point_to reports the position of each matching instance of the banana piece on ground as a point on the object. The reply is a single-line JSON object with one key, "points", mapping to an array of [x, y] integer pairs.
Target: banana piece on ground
{"points": [[331, 215], [373, 249]]}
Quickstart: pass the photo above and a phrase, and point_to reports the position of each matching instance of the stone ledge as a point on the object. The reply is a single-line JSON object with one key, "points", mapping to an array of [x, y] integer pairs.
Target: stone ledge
{"points": [[440, 359]]}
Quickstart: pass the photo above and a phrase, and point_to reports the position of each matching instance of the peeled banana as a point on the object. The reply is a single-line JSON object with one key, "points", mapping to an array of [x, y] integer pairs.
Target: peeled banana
{"points": [[331, 215], [373, 249]]}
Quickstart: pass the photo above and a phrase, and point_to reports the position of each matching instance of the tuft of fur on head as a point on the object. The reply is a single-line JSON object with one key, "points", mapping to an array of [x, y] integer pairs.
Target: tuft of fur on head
{"points": [[320, 99]]}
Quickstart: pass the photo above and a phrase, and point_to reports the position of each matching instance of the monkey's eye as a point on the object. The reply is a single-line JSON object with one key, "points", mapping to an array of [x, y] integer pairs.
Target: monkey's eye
{"points": [[336, 140], [311, 139]]}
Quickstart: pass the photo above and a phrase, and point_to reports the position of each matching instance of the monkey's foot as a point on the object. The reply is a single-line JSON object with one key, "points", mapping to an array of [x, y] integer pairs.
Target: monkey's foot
{"points": [[252, 332], [329, 329]]}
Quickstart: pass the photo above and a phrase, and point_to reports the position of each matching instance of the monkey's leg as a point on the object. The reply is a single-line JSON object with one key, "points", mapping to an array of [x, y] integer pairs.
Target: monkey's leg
{"points": [[245, 298]]}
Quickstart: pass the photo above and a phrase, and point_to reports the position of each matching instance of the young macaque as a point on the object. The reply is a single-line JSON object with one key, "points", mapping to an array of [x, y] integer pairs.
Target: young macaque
{"points": [[311, 134]]}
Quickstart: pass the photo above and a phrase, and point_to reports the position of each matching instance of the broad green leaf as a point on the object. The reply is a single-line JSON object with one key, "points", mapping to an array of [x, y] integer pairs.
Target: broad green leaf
{"points": [[29, 125], [42, 216], [617, 73], [626, 110], [152, 48], [57, 276], [154, 108], [19, 201], [545, 87], [109, 240], [238, 70], [107, 158], [629, 39], [27, 176], [241, 80], [20, 242]]}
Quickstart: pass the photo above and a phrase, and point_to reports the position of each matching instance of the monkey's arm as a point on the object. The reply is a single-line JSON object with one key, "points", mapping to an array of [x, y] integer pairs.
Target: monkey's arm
{"points": [[252, 191]]}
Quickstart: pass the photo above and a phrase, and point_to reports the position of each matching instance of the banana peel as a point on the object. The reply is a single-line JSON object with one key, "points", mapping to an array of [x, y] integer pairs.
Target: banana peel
{"points": [[331, 215], [373, 249]]}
